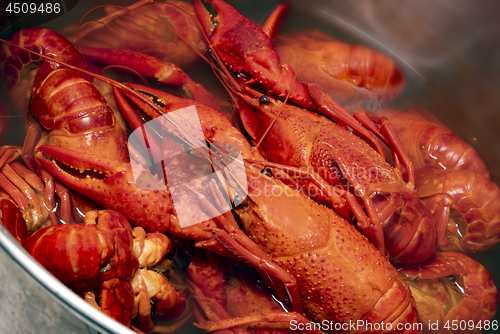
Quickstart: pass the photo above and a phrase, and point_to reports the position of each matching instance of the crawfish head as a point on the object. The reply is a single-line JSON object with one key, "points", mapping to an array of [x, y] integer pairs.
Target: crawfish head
{"points": [[111, 184]]}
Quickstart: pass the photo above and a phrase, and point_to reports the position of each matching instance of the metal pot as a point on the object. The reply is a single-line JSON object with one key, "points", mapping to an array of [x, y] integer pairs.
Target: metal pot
{"points": [[448, 49]]}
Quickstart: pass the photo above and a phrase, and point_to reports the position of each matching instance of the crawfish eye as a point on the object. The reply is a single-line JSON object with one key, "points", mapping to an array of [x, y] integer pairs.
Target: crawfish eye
{"points": [[241, 205], [267, 172], [264, 99]]}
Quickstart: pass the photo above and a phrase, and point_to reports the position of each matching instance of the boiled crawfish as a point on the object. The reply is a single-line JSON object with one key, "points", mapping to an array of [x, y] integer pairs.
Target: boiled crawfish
{"points": [[303, 139], [96, 255], [164, 30], [71, 111], [349, 73], [459, 192], [430, 144], [86, 163], [64, 156], [445, 308], [296, 137], [224, 299], [85, 126], [466, 206], [327, 256]]}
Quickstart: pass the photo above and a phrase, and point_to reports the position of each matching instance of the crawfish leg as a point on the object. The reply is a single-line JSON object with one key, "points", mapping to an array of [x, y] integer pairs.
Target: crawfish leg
{"points": [[33, 135], [8, 153], [335, 112], [338, 200], [53, 187], [440, 205], [63, 193], [239, 244], [151, 67], [202, 323], [372, 228], [219, 319], [391, 139], [22, 194], [362, 117]]}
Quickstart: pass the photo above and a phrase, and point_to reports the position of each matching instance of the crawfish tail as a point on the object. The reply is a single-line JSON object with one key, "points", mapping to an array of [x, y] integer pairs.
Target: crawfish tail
{"points": [[475, 205], [438, 299], [78, 255], [430, 144], [347, 72]]}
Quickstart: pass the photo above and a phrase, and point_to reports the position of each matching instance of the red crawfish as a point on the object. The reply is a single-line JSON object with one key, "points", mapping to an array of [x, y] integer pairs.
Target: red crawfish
{"points": [[466, 206], [352, 162], [229, 295], [97, 255], [430, 144], [454, 293], [349, 73], [341, 276], [165, 30]]}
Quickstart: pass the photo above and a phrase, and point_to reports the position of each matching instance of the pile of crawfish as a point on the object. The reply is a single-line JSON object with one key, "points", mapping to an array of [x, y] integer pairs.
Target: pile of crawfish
{"points": [[355, 222]]}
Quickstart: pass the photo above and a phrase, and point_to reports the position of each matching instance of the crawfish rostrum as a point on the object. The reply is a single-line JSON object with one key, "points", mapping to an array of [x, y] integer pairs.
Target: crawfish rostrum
{"points": [[337, 224]]}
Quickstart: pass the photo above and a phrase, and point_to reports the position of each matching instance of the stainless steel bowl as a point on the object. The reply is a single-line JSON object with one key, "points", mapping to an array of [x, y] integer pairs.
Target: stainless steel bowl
{"points": [[448, 49]]}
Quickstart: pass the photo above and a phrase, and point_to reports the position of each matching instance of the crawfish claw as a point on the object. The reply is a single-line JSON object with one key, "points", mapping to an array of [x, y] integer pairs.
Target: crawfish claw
{"points": [[111, 184]]}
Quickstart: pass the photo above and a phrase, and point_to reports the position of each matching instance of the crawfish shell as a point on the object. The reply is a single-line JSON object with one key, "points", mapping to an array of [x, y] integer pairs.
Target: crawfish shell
{"points": [[82, 256]]}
